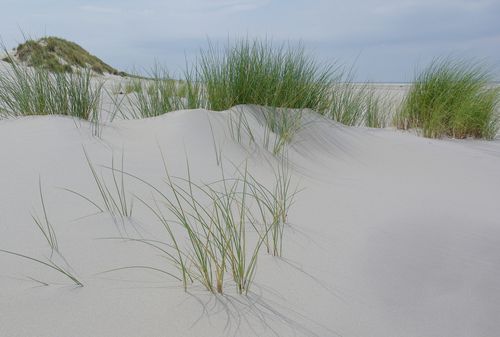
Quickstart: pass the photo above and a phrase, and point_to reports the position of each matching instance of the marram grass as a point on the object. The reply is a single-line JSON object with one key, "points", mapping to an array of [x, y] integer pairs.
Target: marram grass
{"points": [[355, 104], [114, 196], [47, 230], [216, 230], [452, 98], [215, 220], [258, 72], [36, 91], [155, 96], [160, 93]]}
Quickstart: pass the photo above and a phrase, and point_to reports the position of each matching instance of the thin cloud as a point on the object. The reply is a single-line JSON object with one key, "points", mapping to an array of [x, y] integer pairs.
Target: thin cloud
{"points": [[231, 6], [99, 9]]}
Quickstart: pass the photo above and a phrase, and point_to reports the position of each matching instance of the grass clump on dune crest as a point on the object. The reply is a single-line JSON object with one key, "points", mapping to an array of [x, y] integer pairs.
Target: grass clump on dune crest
{"points": [[451, 98], [279, 126], [35, 91], [356, 104], [260, 73], [155, 96], [257, 72], [377, 111], [160, 93]]}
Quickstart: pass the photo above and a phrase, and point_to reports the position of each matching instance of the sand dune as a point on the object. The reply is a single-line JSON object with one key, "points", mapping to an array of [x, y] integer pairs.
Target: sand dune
{"points": [[391, 234]]}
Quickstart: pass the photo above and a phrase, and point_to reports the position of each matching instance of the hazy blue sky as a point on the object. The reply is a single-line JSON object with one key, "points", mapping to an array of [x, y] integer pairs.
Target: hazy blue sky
{"points": [[387, 38]]}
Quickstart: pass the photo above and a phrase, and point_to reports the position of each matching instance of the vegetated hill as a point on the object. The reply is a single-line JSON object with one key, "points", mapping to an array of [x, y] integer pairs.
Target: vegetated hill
{"points": [[59, 55]]}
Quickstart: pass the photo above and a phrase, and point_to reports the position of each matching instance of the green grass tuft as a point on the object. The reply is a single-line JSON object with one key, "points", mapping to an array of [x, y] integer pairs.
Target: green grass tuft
{"points": [[155, 96], [216, 230], [35, 91], [45, 227], [257, 72], [160, 93], [114, 196], [452, 98]]}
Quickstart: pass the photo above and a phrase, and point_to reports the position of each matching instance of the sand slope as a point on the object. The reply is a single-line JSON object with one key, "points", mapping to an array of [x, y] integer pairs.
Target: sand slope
{"points": [[392, 234]]}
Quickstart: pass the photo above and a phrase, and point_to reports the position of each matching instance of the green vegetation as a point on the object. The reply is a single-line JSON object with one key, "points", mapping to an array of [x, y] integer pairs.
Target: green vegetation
{"points": [[214, 229], [160, 94], [133, 85], [58, 55], [272, 77], [451, 98], [273, 205], [49, 234], [279, 126], [156, 96], [355, 105], [45, 225], [376, 111], [257, 72], [36, 91], [346, 104], [214, 218], [25, 91], [50, 263], [114, 198], [217, 234]]}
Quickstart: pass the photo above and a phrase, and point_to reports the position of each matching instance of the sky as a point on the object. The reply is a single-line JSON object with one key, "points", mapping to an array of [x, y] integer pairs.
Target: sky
{"points": [[383, 40]]}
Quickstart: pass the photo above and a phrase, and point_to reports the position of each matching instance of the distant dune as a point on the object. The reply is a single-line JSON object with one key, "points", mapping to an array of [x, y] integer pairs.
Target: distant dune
{"points": [[58, 55]]}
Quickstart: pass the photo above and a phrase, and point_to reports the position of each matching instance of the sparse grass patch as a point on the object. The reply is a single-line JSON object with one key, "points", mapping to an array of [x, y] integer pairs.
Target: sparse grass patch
{"points": [[160, 93], [216, 146], [356, 104], [213, 228], [154, 97], [273, 205], [376, 111], [192, 91], [34, 91], [214, 219], [114, 197], [51, 264], [239, 127], [274, 137], [280, 126], [133, 85], [451, 98], [45, 227], [347, 104]]}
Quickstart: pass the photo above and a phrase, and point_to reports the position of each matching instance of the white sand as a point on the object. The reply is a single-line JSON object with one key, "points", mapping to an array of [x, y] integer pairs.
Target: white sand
{"points": [[393, 234]]}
